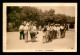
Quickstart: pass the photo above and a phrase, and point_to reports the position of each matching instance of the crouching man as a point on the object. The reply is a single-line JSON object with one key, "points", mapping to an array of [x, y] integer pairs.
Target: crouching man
{"points": [[33, 33]]}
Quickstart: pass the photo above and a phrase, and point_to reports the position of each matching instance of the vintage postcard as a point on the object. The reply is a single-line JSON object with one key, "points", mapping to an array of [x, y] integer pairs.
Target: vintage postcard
{"points": [[39, 27]]}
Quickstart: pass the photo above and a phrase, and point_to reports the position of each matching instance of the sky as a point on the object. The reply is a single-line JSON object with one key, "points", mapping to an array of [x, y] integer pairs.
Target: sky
{"points": [[67, 10]]}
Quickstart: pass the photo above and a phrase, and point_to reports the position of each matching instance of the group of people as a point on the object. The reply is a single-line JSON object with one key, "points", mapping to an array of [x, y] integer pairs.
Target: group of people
{"points": [[53, 31], [28, 31], [50, 32]]}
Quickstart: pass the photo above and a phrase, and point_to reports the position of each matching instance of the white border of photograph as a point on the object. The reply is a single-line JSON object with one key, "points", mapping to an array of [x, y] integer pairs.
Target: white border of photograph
{"points": [[36, 4]]}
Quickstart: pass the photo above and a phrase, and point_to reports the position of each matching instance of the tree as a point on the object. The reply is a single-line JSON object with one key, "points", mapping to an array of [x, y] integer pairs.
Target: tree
{"points": [[31, 13], [14, 16]]}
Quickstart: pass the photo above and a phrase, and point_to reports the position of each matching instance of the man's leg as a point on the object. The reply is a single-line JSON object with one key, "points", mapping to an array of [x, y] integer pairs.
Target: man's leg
{"points": [[31, 37], [62, 33], [53, 35], [50, 35], [23, 35], [26, 37], [20, 35], [56, 34]]}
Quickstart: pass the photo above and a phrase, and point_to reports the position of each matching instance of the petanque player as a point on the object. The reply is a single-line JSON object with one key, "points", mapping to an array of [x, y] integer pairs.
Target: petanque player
{"points": [[21, 31], [55, 31], [26, 29], [48, 33], [51, 32], [33, 33], [58, 31], [44, 33], [62, 31], [29, 36]]}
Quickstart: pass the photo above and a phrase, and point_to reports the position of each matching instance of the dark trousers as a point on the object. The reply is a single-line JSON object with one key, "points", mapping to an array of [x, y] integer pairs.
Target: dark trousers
{"points": [[62, 33], [32, 36], [22, 34], [55, 34], [51, 35]]}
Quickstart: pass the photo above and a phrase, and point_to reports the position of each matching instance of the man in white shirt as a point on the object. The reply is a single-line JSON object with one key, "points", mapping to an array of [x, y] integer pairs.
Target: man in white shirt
{"points": [[55, 31], [51, 32], [26, 29], [58, 31], [21, 31], [62, 31], [48, 33], [33, 33]]}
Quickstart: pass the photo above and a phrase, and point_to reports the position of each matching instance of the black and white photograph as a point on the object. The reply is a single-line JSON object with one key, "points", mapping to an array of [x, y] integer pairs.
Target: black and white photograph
{"points": [[39, 27]]}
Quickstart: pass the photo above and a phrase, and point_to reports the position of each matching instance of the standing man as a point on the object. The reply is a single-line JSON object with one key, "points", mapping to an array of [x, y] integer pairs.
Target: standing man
{"points": [[55, 31], [29, 37], [44, 33], [26, 29], [48, 32], [58, 31], [21, 31], [51, 31], [62, 31]]}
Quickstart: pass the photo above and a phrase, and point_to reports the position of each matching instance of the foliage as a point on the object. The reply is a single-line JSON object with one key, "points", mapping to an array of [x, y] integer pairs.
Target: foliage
{"points": [[19, 14]]}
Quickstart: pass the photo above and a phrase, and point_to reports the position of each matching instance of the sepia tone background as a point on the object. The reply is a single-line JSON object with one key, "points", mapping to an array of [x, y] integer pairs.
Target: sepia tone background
{"points": [[68, 43]]}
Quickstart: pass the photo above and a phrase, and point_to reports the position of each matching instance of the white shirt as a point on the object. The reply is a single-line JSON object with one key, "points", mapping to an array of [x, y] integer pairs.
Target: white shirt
{"points": [[26, 28], [58, 28], [61, 27], [21, 27], [34, 27], [48, 28], [55, 28], [51, 28]]}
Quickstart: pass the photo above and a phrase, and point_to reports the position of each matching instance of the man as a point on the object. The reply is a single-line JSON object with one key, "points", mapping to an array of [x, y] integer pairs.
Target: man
{"points": [[51, 32], [21, 31], [29, 26], [62, 31], [48, 33], [58, 31], [33, 33], [55, 31], [26, 29], [44, 33]]}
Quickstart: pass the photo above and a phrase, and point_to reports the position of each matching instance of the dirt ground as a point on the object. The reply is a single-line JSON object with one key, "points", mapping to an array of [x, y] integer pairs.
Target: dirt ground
{"points": [[14, 43]]}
